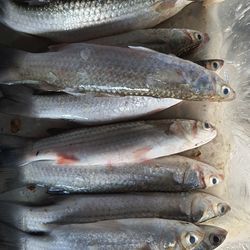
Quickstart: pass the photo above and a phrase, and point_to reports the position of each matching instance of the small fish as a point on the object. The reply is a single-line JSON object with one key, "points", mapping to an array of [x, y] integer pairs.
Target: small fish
{"points": [[107, 70], [169, 174], [170, 41], [74, 209], [214, 237], [114, 144], [211, 64], [86, 109], [129, 234], [81, 20]]}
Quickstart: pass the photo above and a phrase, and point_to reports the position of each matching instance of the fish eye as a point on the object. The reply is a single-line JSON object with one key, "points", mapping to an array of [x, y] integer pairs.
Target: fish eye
{"points": [[198, 36], [215, 65], [214, 180], [225, 91], [207, 126], [191, 239], [221, 209], [214, 240]]}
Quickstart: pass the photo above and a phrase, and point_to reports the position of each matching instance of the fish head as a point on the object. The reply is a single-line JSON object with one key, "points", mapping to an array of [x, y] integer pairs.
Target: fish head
{"points": [[196, 132], [201, 175], [223, 91], [188, 41], [190, 236], [213, 64], [214, 237], [205, 207]]}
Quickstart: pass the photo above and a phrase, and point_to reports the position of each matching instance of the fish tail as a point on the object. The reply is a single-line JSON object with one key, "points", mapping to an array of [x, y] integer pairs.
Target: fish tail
{"points": [[10, 179], [10, 237], [15, 99]]}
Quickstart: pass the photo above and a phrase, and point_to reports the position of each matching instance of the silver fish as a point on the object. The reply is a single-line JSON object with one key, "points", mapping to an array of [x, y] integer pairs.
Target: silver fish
{"points": [[129, 234], [86, 109], [74, 209], [114, 144], [170, 41], [71, 21], [172, 173], [214, 237], [81, 68]]}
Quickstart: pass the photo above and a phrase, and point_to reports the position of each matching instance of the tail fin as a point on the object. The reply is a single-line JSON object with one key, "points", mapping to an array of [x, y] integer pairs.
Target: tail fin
{"points": [[10, 238], [15, 99]]}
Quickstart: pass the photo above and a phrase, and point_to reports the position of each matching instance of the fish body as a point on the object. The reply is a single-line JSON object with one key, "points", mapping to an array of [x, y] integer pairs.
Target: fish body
{"points": [[107, 70], [87, 109], [170, 41], [131, 142], [123, 234], [71, 21], [168, 174], [74, 209]]}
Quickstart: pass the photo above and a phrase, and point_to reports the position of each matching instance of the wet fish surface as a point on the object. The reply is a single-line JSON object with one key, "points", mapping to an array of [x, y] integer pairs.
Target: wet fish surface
{"points": [[130, 142], [71, 21], [214, 237], [172, 173], [74, 209], [170, 41], [86, 109], [81, 68], [123, 234]]}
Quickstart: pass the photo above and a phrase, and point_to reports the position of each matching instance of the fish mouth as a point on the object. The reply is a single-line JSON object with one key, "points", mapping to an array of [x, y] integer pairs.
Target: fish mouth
{"points": [[216, 239], [183, 52]]}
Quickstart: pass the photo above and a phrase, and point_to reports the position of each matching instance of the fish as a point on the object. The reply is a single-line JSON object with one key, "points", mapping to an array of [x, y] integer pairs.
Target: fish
{"points": [[193, 207], [114, 144], [168, 174], [212, 64], [129, 234], [170, 41], [214, 237], [87, 109], [80, 20], [108, 70]]}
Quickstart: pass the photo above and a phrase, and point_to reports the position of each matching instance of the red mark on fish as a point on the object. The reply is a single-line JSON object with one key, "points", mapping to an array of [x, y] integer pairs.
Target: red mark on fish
{"points": [[66, 159], [140, 154]]}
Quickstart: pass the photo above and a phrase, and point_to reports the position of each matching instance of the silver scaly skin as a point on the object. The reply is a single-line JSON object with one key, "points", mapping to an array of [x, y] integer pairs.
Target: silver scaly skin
{"points": [[131, 142], [71, 21], [114, 71], [168, 174], [129, 234], [74, 209]]}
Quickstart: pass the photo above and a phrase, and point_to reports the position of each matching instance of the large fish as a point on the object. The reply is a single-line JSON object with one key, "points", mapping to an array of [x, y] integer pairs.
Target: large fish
{"points": [[74, 209], [71, 21], [129, 234], [170, 41], [168, 174], [85, 109], [115, 71], [131, 142]]}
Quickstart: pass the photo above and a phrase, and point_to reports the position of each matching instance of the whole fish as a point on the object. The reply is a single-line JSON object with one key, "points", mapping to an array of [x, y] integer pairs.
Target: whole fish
{"points": [[71, 21], [169, 174], [131, 142], [170, 41], [81, 68], [129, 234], [214, 237], [192, 207], [86, 109]]}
